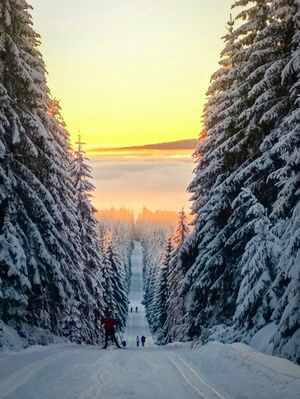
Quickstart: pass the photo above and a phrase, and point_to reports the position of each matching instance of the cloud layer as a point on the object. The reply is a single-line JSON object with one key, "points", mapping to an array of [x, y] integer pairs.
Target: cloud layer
{"points": [[158, 182]]}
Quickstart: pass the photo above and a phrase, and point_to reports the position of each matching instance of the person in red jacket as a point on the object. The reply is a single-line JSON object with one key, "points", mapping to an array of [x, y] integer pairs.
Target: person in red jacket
{"points": [[109, 324]]}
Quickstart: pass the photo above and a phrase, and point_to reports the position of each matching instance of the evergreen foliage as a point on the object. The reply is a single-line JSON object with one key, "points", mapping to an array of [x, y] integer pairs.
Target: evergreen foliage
{"points": [[163, 274], [116, 231], [174, 324], [161, 293], [153, 241], [241, 262], [50, 266], [89, 238], [115, 289]]}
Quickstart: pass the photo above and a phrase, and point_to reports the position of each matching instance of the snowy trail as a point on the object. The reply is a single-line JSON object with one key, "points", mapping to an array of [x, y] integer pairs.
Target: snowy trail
{"points": [[214, 371], [136, 324]]}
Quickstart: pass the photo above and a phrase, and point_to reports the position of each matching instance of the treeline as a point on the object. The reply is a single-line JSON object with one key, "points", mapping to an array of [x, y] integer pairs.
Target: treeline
{"points": [[163, 272], [52, 260], [117, 233], [242, 260], [159, 219], [245, 269]]}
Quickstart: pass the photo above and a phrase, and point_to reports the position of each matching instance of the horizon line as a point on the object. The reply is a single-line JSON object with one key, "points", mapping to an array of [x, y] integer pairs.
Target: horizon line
{"points": [[184, 144]]}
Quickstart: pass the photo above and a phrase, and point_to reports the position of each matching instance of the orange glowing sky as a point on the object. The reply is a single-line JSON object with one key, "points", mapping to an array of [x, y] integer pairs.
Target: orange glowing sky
{"points": [[131, 72], [155, 179]]}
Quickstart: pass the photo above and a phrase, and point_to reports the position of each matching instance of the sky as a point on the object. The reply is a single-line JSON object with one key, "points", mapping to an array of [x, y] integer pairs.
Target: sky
{"points": [[131, 72], [155, 180]]}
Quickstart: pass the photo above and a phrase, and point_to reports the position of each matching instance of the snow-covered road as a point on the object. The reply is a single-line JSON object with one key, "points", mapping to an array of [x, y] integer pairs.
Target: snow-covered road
{"points": [[214, 371]]}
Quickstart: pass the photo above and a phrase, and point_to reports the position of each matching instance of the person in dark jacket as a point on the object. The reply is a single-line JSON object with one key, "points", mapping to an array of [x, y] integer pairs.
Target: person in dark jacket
{"points": [[109, 324], [143, 340]]}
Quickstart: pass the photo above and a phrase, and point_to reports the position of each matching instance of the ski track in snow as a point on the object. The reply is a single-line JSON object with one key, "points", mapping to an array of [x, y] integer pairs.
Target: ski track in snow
{"points": [[96, 376], [214, 371], [194, 379], [18, 378]]}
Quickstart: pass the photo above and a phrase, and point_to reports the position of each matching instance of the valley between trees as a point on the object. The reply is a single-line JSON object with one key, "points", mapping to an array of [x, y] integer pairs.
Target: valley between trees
{"points": [[177, 371], [233, 275]]}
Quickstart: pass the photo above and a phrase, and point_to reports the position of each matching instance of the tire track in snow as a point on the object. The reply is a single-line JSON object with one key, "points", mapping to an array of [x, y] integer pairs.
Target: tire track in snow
{"points": [[195, 380], [17, 379]]}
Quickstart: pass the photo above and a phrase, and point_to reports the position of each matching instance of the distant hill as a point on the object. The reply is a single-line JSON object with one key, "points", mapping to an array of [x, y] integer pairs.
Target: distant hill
{"points": [[188, 144]]}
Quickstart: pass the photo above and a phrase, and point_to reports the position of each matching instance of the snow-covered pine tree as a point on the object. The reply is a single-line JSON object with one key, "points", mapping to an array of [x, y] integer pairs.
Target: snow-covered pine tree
{"points": [[241, 147], [153, 241], [115, 268], [284, 142], [42, 265], [14, 269], [90, 242], [277, 169], [123, 238], [108, 277], [258, 266], [16, 287], [207, 279], [116, 235], [287, 337], [182, 230], [174, 326], [28, 160], [159, 305], [81, 174], [101, 235], [284, 146]]}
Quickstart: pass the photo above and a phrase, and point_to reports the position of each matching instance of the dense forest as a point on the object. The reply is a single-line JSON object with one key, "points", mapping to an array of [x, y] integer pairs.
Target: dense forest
{"points": [[240, 265], [55, 268]]}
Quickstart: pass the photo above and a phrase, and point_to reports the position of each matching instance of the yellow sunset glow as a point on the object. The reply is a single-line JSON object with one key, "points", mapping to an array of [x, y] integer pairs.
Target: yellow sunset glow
{"points": [[131, 72]]}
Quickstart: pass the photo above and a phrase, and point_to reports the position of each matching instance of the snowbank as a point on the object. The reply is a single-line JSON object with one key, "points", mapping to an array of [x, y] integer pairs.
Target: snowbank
{"points": [[239, 371], [276, 364], [10, 339], [262, 340]]}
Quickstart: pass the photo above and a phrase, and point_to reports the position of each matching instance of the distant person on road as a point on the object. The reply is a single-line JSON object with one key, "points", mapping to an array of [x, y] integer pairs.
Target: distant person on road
{"points": [[131, 309], [137, 341], [143, 340], [136, 309], [109, 324]]}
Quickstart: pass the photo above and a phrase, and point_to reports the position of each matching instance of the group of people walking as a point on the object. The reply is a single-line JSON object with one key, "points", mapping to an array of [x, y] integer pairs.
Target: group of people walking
{"points": [[110, 326], [141, 340]]}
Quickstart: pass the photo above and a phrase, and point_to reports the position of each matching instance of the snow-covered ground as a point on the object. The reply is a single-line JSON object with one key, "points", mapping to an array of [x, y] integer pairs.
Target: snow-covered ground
{"points": [[136, 324], [214, 371]]}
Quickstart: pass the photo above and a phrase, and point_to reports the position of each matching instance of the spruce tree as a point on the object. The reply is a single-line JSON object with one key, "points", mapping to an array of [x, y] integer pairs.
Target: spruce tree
{"points": [[175, 309], [258, 265], [29, 164], [116, 269], [287, 283], [162, 292], [250, 141], [41, 256], [181, 231], [153, 241], [90, 242]]}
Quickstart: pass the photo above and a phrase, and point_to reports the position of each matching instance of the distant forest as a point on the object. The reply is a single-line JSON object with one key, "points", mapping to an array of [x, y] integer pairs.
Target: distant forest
{"points": [[188, 144]]}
